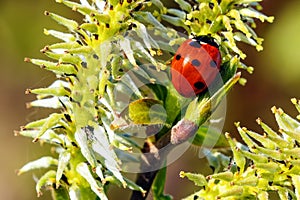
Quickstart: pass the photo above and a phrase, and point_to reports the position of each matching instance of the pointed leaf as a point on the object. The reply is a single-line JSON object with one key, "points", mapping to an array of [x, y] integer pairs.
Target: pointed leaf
{"points": [[44, 162], [85, 172], [147, 111]]}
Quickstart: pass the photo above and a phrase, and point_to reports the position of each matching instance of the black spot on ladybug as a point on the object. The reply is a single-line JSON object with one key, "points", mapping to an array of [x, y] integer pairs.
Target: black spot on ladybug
{"points": [[195, 44], [199, 85], [213, 64], [196, 63], [177, 57]]}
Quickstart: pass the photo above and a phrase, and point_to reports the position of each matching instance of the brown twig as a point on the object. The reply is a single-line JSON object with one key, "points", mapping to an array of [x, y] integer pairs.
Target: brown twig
{"points": [[153, 159]]}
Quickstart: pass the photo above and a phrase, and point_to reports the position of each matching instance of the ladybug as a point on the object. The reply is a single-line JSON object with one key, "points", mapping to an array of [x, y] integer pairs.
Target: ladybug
{"points": [[195, 65]]}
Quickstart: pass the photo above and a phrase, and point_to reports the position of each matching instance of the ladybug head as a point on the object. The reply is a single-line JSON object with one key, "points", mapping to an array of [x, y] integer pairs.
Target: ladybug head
{"points": [[207, 39]]}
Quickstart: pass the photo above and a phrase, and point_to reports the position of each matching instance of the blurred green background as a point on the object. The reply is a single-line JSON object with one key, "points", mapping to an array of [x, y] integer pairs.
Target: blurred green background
{"points": [[276, 79]]}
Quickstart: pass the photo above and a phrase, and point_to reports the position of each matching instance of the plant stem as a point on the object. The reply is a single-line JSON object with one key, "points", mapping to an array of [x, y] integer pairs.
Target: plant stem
{"points": [[153, 159]]}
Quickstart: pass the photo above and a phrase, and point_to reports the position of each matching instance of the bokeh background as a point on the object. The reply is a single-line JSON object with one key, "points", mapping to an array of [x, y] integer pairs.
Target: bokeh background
{"points": [[275, 81]]}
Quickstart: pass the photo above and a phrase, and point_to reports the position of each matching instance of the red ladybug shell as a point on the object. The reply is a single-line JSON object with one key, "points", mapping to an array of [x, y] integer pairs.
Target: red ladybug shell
{"points": [[195, 65]]}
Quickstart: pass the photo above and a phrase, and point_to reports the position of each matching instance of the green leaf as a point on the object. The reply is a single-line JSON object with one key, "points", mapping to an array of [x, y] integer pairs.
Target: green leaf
{"points": [[159, 185], [176, 21], [48, 179], [101, 146], [250, 12], [147, 111], [44, 162], [286, 122], [216, 160], [239, 158], [199, 110], [70, 24], [147, 17], [210, 136], [130, 184], [67, 37], [177, 13], [225, 176], [63, 161], [60, 193], [51, 121], [85, 172], [184, 5], [198, 179], [82, 140]]}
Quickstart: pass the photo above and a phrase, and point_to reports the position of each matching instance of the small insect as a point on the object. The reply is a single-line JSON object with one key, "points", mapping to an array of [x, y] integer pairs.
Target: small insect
{"points": [[195, 65]]}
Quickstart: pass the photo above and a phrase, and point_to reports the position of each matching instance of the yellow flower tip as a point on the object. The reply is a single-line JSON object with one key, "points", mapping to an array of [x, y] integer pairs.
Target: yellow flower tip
{"points": [[74, 8], [47, 13], [294, 101], [181, 174], [39, 194], [271, 19], [243, 56], [144, 193], [259, 48], [16, 133], [280, 111], [58, 1], [28, 105], [152, 52], [274, 109], [103, 181], [242, 81], [46, 32], [159, 52], [28, 91], [250, 70], [237, 124], [237, 149], [152, 80], [45, 49], [27, 60], [227, 135], [259, 121], [136, 67], [238, 75], [265, 135], [114, 126], [244, 129], [18, 172], [208, 177]]}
